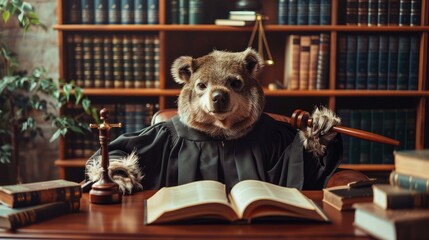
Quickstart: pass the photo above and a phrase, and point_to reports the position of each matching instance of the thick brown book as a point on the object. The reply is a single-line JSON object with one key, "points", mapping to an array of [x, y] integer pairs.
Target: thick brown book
{"points": [[343, 197], [30, 194], [394, 197], [12, 218], [391, 224], [247, 201], [412, 162]]}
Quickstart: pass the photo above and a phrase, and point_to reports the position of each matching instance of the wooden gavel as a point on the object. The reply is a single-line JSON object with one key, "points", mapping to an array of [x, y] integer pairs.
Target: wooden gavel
{"points": [[301, 119]]}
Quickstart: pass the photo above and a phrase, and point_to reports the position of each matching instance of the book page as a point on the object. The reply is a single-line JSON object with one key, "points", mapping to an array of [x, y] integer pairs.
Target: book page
{"points": [[178, 197], [248, 191]]}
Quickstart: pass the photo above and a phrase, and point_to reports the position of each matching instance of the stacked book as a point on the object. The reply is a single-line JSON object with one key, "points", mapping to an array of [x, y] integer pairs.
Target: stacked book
{"points": [[29, 203], [400, 210], [239, 19]]}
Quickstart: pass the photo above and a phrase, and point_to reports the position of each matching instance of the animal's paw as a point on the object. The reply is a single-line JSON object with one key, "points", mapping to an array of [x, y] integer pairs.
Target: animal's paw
{"points": [[317, 137], [124, 171]]}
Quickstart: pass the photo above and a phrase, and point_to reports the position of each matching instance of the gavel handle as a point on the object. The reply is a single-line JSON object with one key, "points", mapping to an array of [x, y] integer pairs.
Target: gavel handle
{"points": [[365, 135], [301, 119]]}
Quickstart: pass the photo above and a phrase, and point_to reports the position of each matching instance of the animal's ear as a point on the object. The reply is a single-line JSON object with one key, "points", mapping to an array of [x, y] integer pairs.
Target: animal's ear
{"points": [[182, 69], [252, 62]]}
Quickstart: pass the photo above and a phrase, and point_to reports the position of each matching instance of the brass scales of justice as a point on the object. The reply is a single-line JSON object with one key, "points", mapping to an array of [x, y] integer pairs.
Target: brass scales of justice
{"points": [[105, 191]]}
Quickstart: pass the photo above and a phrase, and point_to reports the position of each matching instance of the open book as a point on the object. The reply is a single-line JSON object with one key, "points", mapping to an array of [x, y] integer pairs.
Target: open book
{"points": [[247, 200]]}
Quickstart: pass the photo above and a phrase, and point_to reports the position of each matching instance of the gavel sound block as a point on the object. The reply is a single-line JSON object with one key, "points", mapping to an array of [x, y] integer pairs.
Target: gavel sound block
{"points": [[301, 119], [105, 191]]}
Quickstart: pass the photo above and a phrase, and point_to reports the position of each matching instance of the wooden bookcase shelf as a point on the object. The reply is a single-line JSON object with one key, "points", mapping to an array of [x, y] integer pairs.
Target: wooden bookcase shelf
{"points": [[197, 40]]}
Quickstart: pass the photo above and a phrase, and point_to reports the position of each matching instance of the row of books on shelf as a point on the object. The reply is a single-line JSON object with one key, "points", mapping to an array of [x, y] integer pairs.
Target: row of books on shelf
{"points": [[29, 203], [134, 117], [118, 61], [383, 12], [312, 12], [113, 11], [191, 12], [398, 210], [378, 61], [307, 62], [399, 124]]}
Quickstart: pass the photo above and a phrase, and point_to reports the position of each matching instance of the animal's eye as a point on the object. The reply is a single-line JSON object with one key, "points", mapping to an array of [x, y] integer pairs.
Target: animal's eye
{"points": [[201, 86], [236, 84]]}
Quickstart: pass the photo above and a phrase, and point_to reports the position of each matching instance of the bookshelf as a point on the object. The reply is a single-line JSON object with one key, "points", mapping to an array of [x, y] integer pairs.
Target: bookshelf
{"points": [[196, 40]]}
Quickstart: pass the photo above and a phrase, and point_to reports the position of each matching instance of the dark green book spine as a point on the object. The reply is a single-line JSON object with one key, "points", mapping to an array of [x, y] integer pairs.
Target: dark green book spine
{"points": [[314, 12], [400, 128], [382, 13], [88, 61], [365, 146], [140, 12], [341, 62], [416, 8], [413, 75], [196, 12], [153, 12], [183, 11], [174, 12], [403, 62], [108, 62], [98, 62], [322, 72], [409, 182], [282, 12], [373, 52], [372, 12], [75, 7], [127, 62], [352, 12], [392, 65], [118, 61], [127, 11], [114, 10], [410, 130], [88, 11], [363, 12], [345, 115], [376, 151], [361, 62], [388, 131], [302, 12], [393, 12], [383, 56], [351, 61], [292, 17], [404, 12], [101, 11], [138, 61], [325, 12], [354, 147]]}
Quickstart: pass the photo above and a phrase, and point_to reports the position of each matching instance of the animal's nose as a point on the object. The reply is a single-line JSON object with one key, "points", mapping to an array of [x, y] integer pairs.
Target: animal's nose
{"points": [[220, 100]]}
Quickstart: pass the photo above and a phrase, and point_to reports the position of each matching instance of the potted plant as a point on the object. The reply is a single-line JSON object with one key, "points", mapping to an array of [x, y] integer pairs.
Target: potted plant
{"points": [[26, 100]]}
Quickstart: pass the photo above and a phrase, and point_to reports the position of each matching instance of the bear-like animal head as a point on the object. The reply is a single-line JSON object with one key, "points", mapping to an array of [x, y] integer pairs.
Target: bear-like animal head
{"points": [[221, 95]]}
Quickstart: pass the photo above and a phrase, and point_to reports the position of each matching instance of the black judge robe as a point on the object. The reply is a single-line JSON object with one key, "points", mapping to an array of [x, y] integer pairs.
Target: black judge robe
{"points": [[171, 153]]}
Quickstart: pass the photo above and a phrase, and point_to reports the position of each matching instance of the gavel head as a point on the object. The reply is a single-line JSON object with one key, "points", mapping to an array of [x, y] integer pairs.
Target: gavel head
{"points": [[104, 114], [300, 119]]}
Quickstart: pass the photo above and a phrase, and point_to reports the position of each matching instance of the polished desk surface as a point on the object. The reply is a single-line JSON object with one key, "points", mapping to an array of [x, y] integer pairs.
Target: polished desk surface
{"points": [[125, 221]]}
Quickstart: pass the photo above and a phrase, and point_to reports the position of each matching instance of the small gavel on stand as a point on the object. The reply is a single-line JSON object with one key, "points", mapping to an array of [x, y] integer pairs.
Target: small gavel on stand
{"points": [[301, 119]]}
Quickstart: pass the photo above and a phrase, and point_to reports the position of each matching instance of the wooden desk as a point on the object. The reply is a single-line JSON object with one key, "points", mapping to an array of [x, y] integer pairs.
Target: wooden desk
{"points": [[125, 221]]}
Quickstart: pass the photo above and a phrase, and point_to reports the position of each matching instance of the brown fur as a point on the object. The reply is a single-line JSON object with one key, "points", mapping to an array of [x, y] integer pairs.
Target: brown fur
{"points": [[222, 72]]}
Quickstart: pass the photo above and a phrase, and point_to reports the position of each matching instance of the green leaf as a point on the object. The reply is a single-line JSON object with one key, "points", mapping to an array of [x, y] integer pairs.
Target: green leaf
{"points": [[55, 136], [67, 88], [78, 94], [6, 15], [86, 103]]}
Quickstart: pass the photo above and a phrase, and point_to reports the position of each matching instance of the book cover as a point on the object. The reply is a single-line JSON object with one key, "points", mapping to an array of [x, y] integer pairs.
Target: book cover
{"points": [[413, 74], [292, 12], [325, 12], [127, 62], [382, 13], [156, 49], [322, 74], [78, 59], [13, 218], [140, 12], [138, 60], [88, 11], [341, 62], [314, 12], [28, 194], [365, 146], [101, 13], [98, 62], [392, 65], [391, 224], [345, 115], [410, 129], [174, 12], [304, 62], [388, 131], [127, 11], [409, 182], [354, 147], [196, 12], [291, 79], [232, 22], [343, 197], [361, 61], [108, 61], [362, 13], [412, 162], [247, 201], [302, 12], [351, 61], [403, 62], [282, 12], [183, 11], [88, 61], [383, 56], [373, 54], [372, 12], [153, 11], [393, 12], [400, 128], [404, 12], [415, 12], [75, 7], [352, 12], [393, 197], [314, 54], [376, 127], [118, 71], [114, 11], [149, 61]]}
